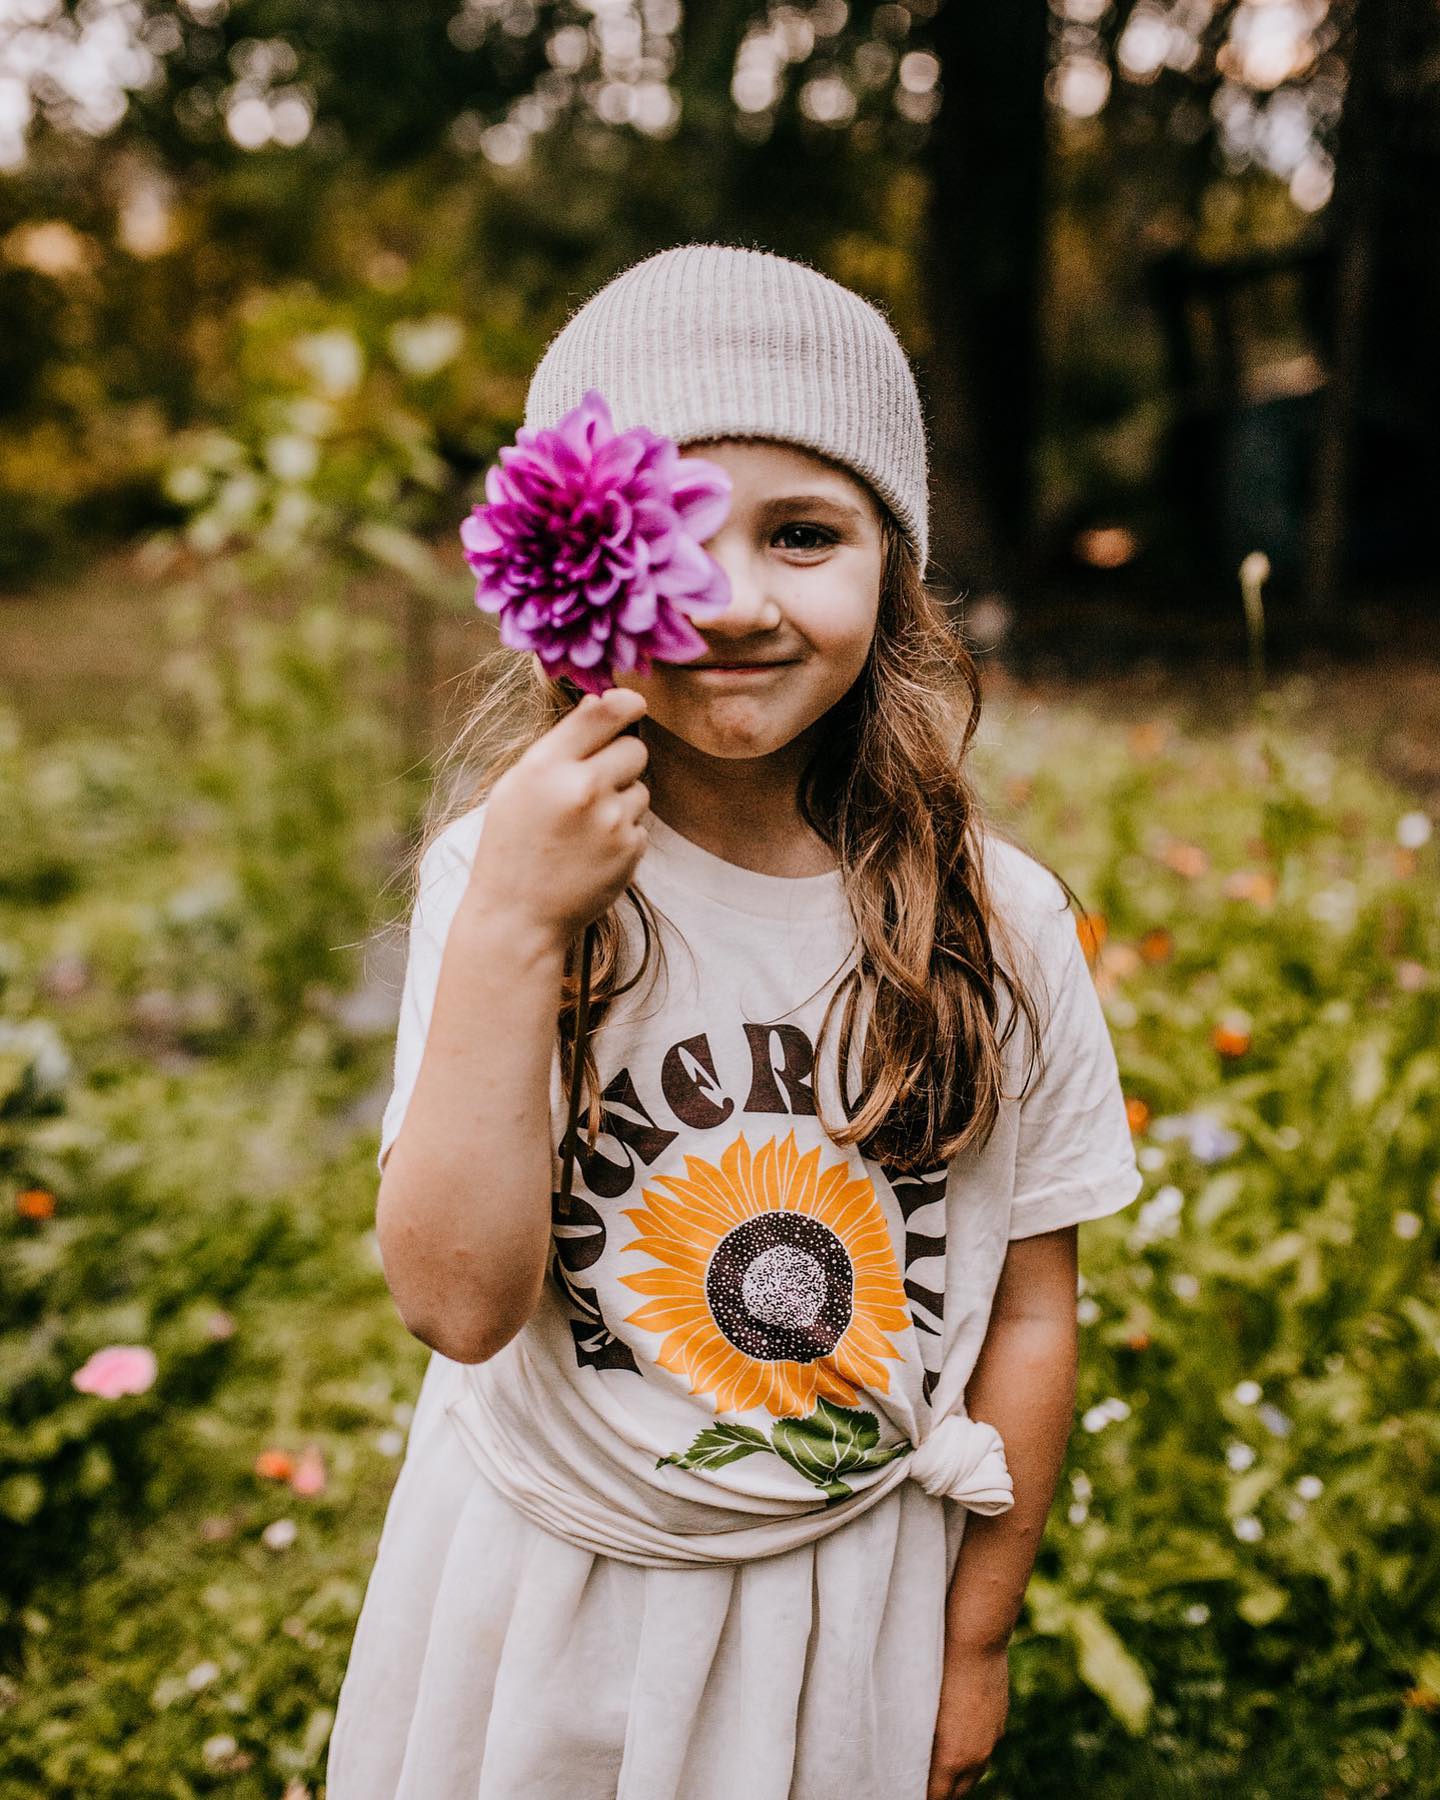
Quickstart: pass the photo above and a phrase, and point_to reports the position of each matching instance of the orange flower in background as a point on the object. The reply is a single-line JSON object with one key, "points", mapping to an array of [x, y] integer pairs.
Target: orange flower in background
{"points": [[1157, 946], [35, 1203], [1250, 884], [1231, 1038], [1092, 929], [1188, 860], [1147, 740], [1138, 1340], [777, 1282], [1405, 862], [275, 1465], [1137, 1112]]}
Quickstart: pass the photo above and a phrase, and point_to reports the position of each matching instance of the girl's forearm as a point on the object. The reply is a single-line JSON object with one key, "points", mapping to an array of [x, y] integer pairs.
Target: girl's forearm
{"points": [[1023, 1385], [463, 1215]]}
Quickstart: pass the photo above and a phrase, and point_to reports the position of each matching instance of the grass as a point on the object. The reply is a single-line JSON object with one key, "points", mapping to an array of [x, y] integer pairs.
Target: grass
{"points": [[196, 1644]]}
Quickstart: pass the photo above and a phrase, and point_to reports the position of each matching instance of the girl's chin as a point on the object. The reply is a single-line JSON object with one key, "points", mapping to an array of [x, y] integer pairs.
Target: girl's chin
{"points": [[726, 730]]}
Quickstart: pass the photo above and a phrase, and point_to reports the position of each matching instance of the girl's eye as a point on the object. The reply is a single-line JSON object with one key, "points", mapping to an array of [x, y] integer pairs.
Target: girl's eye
{"points": [[813, 531]]}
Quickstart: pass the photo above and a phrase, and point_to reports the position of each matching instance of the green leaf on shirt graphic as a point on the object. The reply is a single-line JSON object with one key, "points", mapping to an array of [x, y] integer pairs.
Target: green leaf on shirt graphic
{"points": [[717, 1445], [833, 1441]]}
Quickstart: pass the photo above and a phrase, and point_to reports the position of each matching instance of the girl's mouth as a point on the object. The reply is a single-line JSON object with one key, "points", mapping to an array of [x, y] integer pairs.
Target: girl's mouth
{"points": [[733, 670]]}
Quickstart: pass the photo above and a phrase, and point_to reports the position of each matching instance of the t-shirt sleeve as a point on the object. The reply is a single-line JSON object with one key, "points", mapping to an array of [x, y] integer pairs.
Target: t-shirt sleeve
{"points": [[444, 876], [1075, 1158]]}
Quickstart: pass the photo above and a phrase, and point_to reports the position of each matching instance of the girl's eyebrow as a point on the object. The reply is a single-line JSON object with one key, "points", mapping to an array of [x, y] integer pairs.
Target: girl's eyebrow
{"points": [[785, 502]]}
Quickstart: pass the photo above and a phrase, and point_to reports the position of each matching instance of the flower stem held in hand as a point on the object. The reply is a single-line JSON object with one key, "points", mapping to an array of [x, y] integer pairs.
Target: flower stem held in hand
{"points": [[577, 1060], [577, 1064]]}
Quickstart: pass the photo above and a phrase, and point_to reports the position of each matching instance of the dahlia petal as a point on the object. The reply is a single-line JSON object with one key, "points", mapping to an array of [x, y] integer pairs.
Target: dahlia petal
{"points": [[513, 634], [702, 496], [689, 569], [478, 533], [618, 519], [639, 610], [587, 652], [616, 461], [673, 638], [603, 589]]}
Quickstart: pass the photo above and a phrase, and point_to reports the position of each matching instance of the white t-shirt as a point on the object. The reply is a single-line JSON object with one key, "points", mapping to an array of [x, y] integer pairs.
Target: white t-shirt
{"points": [[739, 1314]]}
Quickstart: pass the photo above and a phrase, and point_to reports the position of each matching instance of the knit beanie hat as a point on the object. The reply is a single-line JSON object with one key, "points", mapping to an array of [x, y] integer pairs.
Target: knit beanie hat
{"points": [[717, 340]]}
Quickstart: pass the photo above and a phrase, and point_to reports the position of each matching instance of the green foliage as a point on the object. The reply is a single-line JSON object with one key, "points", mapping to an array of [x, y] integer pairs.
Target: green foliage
{"points": [[291, 750], [1252, 1478], [169, 926], [1237, 1591], [100, 1245], [332, 410]]}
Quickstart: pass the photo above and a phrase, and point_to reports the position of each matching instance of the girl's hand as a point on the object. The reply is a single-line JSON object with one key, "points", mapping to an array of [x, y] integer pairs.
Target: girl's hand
{"points": [[974, 1701], [563, 834]]}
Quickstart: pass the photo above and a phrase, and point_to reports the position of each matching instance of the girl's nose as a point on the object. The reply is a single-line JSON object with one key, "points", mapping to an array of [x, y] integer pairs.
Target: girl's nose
{"points": [[751, 608]]}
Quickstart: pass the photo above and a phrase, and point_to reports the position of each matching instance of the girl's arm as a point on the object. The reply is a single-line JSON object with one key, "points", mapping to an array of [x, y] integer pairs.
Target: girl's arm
{"points": [[463, 1215], [1024, 1385]]}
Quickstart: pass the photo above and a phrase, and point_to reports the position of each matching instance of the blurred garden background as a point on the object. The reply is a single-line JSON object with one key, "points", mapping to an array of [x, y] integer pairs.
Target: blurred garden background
{"points": [[272, 280]]}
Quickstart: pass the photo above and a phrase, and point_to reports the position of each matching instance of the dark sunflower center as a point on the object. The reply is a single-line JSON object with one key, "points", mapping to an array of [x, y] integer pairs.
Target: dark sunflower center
{"points": [[780, 1287]]}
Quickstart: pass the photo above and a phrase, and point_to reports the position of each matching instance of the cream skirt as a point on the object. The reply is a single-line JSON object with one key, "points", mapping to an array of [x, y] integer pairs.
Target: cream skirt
{"points": [[494, 1661]]}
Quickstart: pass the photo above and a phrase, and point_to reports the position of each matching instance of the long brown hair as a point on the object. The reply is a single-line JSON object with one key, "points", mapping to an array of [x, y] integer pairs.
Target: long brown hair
{"points": [[886, 789]]}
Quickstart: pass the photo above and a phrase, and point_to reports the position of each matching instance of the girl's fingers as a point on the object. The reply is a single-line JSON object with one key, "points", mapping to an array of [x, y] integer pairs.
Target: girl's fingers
{"points": [[597, 720], [620, 762]]}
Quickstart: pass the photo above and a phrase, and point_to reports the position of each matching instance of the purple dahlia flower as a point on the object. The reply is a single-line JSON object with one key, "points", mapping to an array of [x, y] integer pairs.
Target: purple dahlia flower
{"points": [[589, 546]]}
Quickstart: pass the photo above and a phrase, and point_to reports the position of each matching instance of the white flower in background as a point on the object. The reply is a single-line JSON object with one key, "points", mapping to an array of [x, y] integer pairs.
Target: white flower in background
{"points": [[1249, 1529], [1335, 905], [1407, 1225], [1309, 1487], [1096, 1418], [1209, 1140], [1239, 1457], [38, 1043], [279, 1534], [1274, 1421], [220, 1748], [1087, 1310], [1248, 1392], [1413, 830], [1198, 1614], [201, 1676], [334, 358], [186, 484], [1158, 1218], [291, 457], [1184, 1285], [205, 899], [423, 346]]}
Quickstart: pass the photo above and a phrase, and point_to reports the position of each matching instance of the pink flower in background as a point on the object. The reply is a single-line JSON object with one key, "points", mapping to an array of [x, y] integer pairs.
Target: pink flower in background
{"points": [[309, 1476], [589, 546], [117, 1370]]}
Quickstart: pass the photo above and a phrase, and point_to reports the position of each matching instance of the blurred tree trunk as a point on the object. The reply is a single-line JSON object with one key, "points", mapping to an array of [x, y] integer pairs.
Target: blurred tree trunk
{"points": [[706, 146], [983, 247], [1383, 356]]}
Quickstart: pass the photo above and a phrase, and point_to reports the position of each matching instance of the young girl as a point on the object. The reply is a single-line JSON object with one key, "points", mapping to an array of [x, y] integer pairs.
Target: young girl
{"points": [[727, 1477]]}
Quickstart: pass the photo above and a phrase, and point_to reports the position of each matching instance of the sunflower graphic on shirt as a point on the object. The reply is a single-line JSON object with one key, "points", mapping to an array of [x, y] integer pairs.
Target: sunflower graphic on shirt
{"points": [[776, 1287]]}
